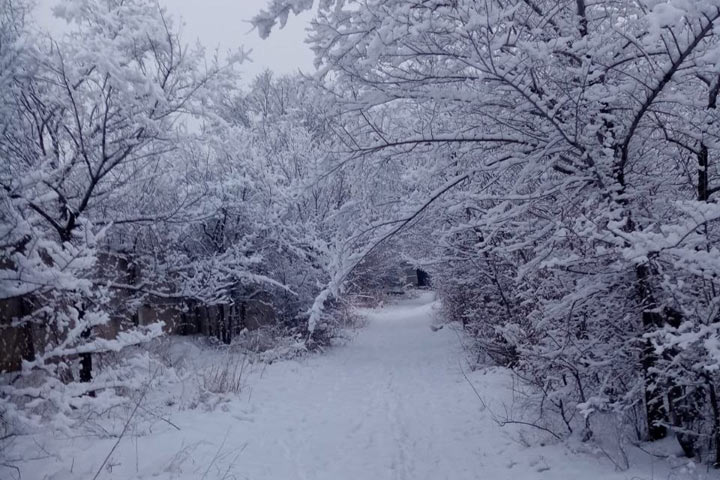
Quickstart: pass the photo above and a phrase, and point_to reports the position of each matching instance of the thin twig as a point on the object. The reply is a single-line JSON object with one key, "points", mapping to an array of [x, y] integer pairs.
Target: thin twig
{"points": [[127, 424], [160, 418], [506, 421], [657, 455], [477, 394], [217, 454], [12, 467]]}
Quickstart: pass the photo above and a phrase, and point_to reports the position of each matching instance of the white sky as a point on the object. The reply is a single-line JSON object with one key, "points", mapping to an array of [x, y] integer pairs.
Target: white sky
{"points": [[224, 23]]}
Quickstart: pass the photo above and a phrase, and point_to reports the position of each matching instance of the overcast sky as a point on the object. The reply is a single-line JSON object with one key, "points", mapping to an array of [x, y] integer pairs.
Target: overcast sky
{"points": [[224, 23]]}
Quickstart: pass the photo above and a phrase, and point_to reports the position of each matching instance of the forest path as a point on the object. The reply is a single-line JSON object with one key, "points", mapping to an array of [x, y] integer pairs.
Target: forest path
{"points": [[392, 404]]}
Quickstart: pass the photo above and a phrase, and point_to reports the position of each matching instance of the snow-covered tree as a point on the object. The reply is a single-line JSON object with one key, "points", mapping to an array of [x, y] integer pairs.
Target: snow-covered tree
{"points": [[88, 120]]}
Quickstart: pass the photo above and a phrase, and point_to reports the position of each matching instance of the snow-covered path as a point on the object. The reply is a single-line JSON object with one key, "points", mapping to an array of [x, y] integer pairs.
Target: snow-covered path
{"points": [[392, 404]]}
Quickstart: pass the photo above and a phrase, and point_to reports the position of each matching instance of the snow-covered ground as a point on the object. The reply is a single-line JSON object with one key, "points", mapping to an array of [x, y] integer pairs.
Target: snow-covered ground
{"points": [[391, 404]]}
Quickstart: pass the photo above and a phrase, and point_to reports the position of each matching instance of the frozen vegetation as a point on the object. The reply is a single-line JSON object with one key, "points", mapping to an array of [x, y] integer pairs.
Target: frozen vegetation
{"points": [[394, 403], [206, 276]]}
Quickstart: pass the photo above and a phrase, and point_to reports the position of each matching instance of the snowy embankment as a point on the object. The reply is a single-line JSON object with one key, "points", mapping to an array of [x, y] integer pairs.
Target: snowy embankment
{"points": [[392, 404]]}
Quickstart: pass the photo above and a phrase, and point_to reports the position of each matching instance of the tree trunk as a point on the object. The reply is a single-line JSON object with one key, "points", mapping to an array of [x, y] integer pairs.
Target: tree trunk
{"points": [[28, 334], [224, 333], [652, 319], [196, 317], [243, 315], [683, 403], [86, 363], [716, 420], [703, 191], [231, 321]]}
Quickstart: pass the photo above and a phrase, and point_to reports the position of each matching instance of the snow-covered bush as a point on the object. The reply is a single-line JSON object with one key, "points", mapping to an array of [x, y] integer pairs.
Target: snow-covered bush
{"points": [[226, 376], [85, 118], [139, 184]]}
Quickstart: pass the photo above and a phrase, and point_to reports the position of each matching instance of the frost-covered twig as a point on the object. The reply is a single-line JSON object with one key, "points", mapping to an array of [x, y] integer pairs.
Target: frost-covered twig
{"points": [[125, 427]]}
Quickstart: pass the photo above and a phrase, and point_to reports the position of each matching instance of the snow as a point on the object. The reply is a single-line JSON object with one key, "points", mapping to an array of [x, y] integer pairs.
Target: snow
{"points": [[391, 404]]}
